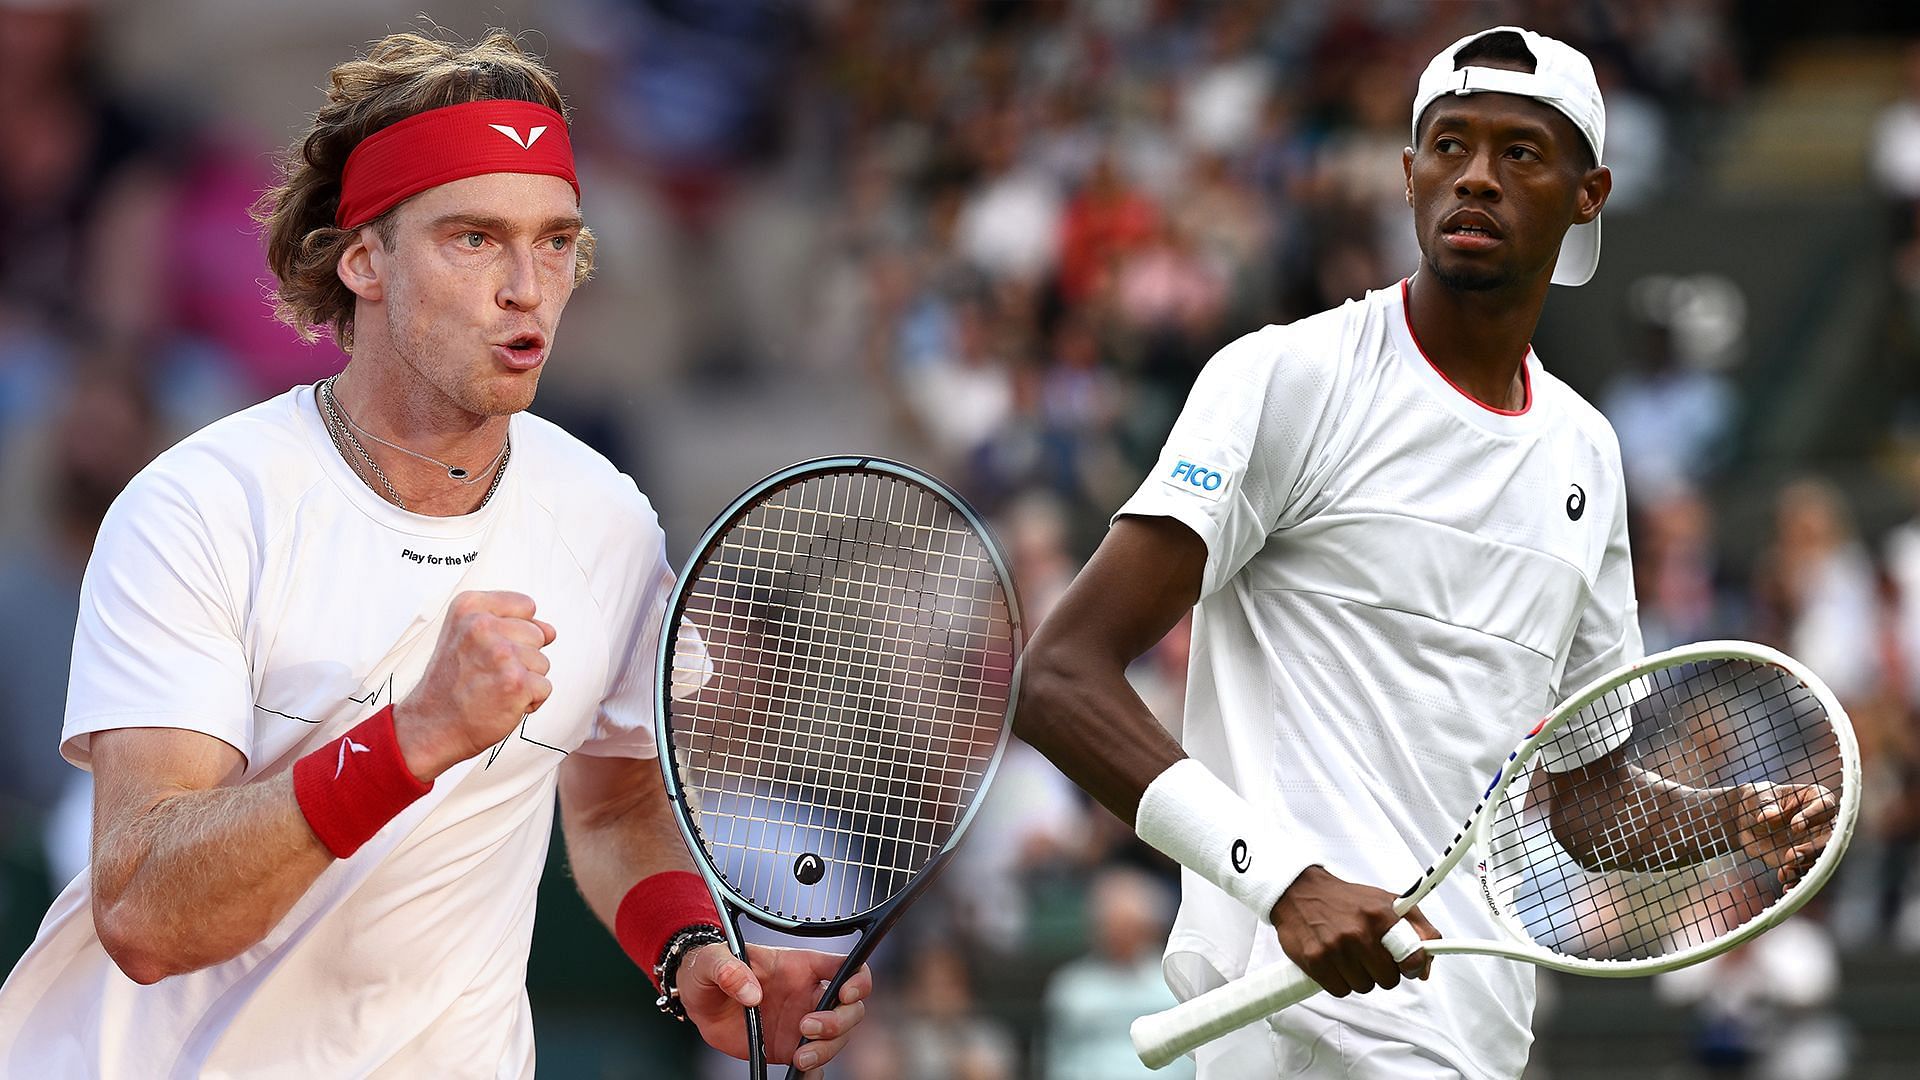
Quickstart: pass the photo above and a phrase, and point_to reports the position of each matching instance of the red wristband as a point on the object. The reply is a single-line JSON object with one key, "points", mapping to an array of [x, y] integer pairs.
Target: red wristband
{"points": [[351, 787], [655, 910]]}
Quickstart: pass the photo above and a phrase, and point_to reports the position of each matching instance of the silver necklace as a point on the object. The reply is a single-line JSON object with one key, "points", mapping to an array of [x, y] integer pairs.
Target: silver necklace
{"points": [[341, 427], [454, 472]]}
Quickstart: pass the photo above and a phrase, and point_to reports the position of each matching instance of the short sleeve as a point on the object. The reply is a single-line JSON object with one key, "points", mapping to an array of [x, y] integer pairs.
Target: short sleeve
{"points": [[1235, 466], [1606, 637], [624, 723], [157, 643]]}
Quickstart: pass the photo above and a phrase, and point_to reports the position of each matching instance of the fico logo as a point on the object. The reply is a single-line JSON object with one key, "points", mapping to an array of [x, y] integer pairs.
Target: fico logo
{"points": [[1198, 475]]}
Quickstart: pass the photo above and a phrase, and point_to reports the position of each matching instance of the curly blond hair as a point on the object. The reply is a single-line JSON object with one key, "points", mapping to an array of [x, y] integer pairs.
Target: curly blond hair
{"points": [[401, 75]]}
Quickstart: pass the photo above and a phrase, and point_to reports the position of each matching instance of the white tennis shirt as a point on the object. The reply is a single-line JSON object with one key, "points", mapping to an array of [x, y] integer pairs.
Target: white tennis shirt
{"points": [[248, 585], [1398, 582]]}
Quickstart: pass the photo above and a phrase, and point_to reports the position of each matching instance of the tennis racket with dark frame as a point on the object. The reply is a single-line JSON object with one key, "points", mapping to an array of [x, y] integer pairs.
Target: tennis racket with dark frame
{"points": [[1662, 884], [836, 688]]}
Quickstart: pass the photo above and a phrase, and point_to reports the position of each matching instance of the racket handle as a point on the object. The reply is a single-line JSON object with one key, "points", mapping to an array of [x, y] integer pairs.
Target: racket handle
{"points": [[1163, 1036], [1402, 940]]}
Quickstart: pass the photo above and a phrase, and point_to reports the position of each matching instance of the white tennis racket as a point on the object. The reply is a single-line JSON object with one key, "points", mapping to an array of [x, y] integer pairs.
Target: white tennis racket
{"points": [[1666, 876]]}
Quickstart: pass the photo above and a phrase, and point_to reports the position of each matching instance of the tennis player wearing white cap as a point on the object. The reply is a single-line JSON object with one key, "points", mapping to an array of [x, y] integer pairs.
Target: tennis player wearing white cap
{"points": [[1404, 537]]}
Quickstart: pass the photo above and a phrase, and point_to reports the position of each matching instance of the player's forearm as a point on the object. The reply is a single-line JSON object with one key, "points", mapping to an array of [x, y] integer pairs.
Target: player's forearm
{"points": [[200, 876], [1612, 816], [1076, 705], [1081, 713], [618, 826]]}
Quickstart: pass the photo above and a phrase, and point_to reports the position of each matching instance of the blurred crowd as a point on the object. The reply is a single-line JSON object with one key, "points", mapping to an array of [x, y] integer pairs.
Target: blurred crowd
{"points": [[1023, 227]]}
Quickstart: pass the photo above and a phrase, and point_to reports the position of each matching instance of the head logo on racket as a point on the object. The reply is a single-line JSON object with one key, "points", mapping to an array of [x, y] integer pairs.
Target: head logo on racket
{"points": [[809, 868]]}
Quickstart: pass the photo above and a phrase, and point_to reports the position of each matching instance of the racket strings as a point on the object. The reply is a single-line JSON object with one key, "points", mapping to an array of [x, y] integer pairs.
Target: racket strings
{"points": [[1612, 871], [861, 650]]}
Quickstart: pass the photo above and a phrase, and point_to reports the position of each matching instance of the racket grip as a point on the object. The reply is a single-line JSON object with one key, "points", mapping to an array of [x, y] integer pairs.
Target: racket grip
{"points": [[1402, 940], [1160, 1037]]}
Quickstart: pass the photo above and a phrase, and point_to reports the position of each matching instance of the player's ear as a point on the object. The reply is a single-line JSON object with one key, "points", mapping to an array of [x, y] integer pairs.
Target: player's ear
{"points": [[1406, 168], [362, 266], [1595, 186]]}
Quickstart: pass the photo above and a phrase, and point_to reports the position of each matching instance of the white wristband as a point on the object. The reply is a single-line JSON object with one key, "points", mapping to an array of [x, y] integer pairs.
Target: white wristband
{"points": [[1195, 819]]}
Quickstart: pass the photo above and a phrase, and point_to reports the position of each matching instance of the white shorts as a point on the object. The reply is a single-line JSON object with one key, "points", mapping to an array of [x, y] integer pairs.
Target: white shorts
{"points": [[1311, 1048]]}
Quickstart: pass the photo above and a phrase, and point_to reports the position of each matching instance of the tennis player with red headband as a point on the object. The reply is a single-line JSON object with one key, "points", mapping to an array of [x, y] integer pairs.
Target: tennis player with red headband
{"points": [[336, 653]]}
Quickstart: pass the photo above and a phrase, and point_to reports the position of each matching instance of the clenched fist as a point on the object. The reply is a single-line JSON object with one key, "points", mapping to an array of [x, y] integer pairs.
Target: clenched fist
{"points": [[486, 674]]}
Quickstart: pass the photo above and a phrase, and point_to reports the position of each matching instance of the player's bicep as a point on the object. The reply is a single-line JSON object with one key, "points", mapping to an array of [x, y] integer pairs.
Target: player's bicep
{"points": [[595, 790], [1144, 577]]}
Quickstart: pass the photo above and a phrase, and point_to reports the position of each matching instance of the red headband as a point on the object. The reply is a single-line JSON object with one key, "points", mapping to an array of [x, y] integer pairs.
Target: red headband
{"points": [[442, 145]]}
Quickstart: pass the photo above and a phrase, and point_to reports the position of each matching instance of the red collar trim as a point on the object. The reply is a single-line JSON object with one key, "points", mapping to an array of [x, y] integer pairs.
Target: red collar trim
{"points": [[1526, 374]]}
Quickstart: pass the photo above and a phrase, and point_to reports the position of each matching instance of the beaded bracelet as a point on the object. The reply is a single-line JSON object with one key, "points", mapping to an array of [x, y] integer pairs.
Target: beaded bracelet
{"points": [[667, 970]]}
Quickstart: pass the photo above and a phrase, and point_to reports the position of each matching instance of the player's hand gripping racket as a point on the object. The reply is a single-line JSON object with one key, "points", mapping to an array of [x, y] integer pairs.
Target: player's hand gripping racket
{"points": [[836, 688], [1719, 789]]}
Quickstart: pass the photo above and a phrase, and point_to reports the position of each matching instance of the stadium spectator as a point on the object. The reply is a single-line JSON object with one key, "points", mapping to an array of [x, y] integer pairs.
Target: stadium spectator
{"points": [[100, 435], [1816, 593], [1677, 573], [1010, 224], [1092, 1001], [1221, 104], [963, 393], [944, 1037], [1896, 170], [1673, 416], [1762, 1010], [1107, 221], [76, 180], [1897, 907], [1033, 822]]}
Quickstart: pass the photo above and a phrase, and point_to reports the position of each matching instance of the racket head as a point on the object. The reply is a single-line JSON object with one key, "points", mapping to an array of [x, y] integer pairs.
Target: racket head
{"points": [[850, 601], [1708, 715]]}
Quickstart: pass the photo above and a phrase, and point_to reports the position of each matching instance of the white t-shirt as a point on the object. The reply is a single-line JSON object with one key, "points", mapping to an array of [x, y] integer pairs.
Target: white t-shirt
{"points": [[1399, 580], [248, 585]]}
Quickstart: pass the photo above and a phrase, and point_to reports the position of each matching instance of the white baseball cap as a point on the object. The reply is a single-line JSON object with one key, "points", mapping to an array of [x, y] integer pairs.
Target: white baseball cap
{"points": [[1561, 77]]}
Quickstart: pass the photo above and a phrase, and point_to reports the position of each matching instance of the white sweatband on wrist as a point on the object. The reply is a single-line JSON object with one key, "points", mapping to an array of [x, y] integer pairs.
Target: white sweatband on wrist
{"points": [[1192, 817]]}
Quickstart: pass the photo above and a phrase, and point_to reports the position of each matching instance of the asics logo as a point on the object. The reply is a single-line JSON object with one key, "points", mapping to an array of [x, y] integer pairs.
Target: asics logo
{"points": [[346, 744], [523, 142], [1242, 860], [1576, 503]]}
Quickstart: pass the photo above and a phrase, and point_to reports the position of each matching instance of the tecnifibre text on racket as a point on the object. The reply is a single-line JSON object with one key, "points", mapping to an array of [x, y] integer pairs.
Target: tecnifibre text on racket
{"points": [[836, 688], [1719, 734]]}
